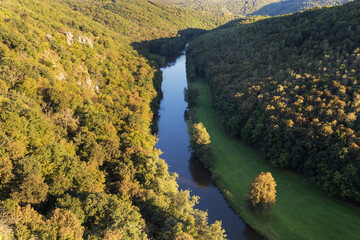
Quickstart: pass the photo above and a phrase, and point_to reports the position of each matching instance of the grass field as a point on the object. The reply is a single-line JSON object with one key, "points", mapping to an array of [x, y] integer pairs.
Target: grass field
{"points": [[302, 210]]}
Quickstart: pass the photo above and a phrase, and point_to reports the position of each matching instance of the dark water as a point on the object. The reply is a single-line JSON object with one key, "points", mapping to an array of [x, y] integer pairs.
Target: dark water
{"points": [[174, 141]]}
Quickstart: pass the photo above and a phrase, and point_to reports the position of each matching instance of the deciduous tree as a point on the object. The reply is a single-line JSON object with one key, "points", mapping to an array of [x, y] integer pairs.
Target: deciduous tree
{"points": [[200, 142], [261, 192]]}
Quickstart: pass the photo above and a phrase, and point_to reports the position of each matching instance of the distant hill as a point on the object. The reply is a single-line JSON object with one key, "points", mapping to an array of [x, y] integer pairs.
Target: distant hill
{"points": [[226, 7], [290, 86], [291, 6], [253, 7]]}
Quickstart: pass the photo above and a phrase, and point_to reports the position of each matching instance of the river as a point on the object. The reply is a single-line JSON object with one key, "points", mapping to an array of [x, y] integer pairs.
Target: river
{"points": [[174, 143]]}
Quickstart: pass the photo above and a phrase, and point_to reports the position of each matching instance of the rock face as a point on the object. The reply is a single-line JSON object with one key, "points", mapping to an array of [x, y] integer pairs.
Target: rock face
{"points": [[61, 76], [81, 39], [69, 37], [84, 40], [96, 89], [49, 36], [88, 82]]}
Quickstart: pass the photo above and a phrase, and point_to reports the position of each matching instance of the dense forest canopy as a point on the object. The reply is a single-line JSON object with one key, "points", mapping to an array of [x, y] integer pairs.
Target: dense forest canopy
{"points": [[250, 7], [138, 20], [77, 159], [292, 6], [290, 85]]}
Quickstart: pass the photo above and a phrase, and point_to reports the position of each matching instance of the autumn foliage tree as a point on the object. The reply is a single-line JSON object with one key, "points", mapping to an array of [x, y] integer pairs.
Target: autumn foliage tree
{"points": [[199, 135], [261, 192], [200, 142]]}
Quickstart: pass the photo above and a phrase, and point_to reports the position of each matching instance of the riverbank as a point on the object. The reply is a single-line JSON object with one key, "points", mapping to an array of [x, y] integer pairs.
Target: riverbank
{"points": [[302, 210]]}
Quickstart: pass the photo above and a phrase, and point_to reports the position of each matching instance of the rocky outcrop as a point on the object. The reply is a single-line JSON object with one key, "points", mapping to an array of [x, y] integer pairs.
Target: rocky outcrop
{"points": [[70, 38]]}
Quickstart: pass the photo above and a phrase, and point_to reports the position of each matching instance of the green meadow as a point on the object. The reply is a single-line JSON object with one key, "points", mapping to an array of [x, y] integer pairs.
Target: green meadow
{"points": [[302, 210]]}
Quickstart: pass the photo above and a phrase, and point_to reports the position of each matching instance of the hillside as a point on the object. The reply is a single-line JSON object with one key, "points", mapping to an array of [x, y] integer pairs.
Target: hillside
{"points": [[289, 85], [77, 159], [250, 7], [139, 20], [226, 7], [291, 6]]}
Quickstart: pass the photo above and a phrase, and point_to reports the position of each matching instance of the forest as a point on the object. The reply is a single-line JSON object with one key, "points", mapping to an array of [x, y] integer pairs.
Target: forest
{"points": [[292, 6], [289, 85], [77, 157]]}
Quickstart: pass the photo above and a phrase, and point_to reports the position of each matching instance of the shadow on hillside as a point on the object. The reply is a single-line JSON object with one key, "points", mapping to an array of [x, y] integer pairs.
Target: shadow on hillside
{"points": [[289, 6], [279, 8]]}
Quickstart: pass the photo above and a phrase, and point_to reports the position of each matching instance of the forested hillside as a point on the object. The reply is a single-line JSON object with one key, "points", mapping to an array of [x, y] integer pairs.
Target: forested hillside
{"points": [[290, 86], [226, 7], [138, 20], [77, 159], [251, 7], [291, 6]]}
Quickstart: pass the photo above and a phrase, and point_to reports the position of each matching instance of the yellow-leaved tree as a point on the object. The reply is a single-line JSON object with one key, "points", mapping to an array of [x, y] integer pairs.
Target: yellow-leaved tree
{"points": [[199, 135], [200, 143], [261, 192]]}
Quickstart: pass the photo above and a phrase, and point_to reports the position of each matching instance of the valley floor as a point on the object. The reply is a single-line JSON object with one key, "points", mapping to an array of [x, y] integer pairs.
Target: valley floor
{"points": [[302, 210]]}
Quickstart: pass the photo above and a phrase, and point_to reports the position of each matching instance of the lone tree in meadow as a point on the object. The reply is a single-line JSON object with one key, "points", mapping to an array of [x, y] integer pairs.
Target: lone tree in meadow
{"points": [[261, 192]]}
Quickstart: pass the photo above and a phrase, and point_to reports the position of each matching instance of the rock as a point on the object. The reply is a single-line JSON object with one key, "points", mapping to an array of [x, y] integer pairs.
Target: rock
{"points": [[69, 37], [96, 89], [88, 82], [49, 36], [61, 76], [85, 40]]}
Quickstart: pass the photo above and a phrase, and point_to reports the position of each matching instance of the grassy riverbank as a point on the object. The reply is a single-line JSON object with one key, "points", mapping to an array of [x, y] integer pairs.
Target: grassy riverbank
{"points": [[302, 210]]}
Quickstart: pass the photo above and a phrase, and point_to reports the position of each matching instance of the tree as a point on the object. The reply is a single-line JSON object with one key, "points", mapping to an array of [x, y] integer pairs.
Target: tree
{"points": [[261, 192], [191, 94], [6, 168], [65, 225], [200, 143], [33, 190], [6, 220], [199, 135]]}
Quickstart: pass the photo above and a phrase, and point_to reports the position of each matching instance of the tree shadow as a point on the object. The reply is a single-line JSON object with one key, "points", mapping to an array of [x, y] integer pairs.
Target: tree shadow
{"points": [[199, 173], [251, 234]]}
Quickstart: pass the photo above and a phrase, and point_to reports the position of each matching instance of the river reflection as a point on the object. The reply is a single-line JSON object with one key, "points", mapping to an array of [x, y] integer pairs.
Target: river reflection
{"points": [[174, 143], [200, 175]]}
